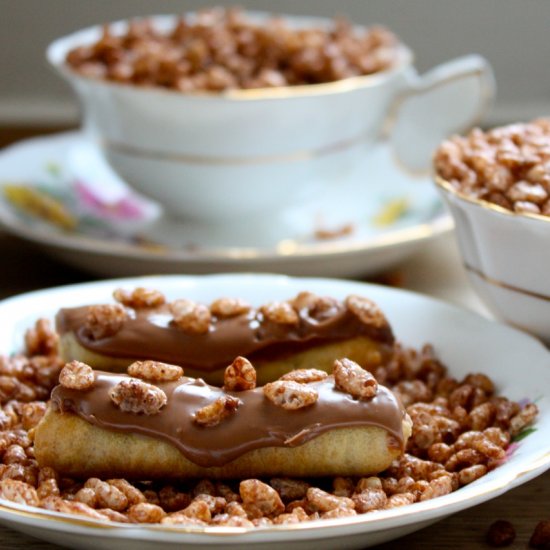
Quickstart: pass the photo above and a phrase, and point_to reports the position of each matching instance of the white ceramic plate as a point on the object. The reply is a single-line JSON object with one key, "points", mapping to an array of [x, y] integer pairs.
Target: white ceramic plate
{"points": [[116, 232], [466, 342]]}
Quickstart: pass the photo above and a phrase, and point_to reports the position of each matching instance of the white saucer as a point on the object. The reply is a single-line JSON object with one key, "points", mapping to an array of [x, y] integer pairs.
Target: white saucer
{"points": [[114, 231]]}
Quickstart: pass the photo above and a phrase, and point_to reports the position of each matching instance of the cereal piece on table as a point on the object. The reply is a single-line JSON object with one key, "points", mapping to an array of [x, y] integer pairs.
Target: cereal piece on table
{"points": [[541, 535], [501, 533]]}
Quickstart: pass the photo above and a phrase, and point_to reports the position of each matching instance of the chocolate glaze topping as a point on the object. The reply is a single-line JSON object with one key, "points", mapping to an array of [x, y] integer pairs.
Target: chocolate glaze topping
{"points": [[257, 423], [149, 334]]}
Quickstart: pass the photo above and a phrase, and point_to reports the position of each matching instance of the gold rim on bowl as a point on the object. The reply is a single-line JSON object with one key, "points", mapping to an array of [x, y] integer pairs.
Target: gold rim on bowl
{"points": [[349, 84], [446, 186]]}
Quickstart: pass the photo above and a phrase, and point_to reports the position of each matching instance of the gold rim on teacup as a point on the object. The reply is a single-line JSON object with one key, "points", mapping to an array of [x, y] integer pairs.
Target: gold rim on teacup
{"points": [[279, 92]]}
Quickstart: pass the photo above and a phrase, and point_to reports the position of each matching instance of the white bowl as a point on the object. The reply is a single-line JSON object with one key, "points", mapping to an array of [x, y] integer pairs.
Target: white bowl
{"points": [[243, 154], [506, 256]]}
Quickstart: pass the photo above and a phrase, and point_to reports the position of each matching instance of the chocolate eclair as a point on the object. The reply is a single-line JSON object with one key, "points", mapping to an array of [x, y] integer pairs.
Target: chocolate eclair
{"points": [[157, 423], [277, 337]]}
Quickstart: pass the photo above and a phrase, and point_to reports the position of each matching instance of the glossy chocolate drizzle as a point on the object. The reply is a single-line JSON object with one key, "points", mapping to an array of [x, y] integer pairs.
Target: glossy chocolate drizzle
{"points": [[149, 334], [257, 423]]}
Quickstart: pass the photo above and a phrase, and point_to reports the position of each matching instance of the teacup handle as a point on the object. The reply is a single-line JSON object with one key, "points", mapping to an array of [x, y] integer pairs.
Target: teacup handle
{"points": [[450, 98]]}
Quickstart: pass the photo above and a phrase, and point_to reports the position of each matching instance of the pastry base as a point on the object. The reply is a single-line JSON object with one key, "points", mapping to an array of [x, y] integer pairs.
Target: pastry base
{"points": [[76, 448]]}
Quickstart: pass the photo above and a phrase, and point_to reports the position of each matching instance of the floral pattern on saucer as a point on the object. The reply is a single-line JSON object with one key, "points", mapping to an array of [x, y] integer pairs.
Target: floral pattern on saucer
{"points": [[74, 205]]}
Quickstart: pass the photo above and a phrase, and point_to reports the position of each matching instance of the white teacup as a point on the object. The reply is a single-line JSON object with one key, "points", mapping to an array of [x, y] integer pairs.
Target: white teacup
{"points": [[231, 157]]}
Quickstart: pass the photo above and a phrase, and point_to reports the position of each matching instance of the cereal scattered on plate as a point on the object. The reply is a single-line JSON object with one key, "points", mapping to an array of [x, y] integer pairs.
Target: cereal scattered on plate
{"points": [[461, 430]]}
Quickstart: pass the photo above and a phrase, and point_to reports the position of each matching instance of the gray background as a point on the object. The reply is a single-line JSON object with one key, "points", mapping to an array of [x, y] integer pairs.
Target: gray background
{"points": [[513, 34]]}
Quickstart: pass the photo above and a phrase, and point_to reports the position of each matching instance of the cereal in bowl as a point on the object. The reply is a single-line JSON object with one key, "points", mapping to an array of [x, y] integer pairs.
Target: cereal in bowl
{"points": [[507, 166]]}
